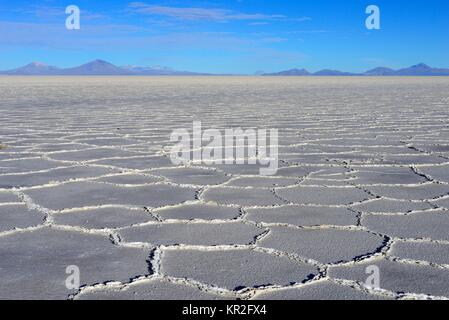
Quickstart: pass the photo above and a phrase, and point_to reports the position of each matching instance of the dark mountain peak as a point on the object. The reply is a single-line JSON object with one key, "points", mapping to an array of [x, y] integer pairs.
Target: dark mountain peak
{"points": [[420, 66], [291, 72], [330, 72], [380, 71], [33, 68], [101, 67], [37, 64], [304, 71], [96, 67], [422, 69], [101, 62]]}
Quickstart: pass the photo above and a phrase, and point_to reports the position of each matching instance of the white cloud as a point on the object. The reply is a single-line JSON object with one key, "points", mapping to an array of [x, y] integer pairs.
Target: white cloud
{"points": [[207, 14]]}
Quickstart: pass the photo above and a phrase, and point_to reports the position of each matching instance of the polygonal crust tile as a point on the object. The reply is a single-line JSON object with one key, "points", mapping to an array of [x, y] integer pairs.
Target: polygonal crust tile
{"points": [[154, 289], [323, 245], [35, 263], [83, 194], [19, 216], [399, 277], [242, 197], [208, 234], [234, 269], [426, 225], [320, 290], [323, 195], [301, 215]]}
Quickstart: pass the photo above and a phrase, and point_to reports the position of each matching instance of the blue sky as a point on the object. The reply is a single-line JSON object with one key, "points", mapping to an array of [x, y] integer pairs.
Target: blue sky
{"points": [[232, 36]]}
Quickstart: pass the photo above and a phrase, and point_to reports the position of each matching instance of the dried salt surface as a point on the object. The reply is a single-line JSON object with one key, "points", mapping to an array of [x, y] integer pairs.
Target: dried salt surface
{"points": [[51, 147], [323, 245], [154, 289], [391, 206], [198, 211], [297, 171], [51, 176], [92, 154], [323, 195], [420, 192], [192, 234], [192, 176], [431, 252], [321, 290], [232, 169], [16, 154], [439, 173], [427, 225], [242, 197], [303, 216], [443, 203], [8, 197], [37, 262], [353, 185], [325, 183], [379, 176], [137, 163], [19, 216], [26, 165], [109, 141], [401, 278], [103, 218], [130, 179], [235, 269], [262, 182], [83, 194], [414, 159], [335, 173]]}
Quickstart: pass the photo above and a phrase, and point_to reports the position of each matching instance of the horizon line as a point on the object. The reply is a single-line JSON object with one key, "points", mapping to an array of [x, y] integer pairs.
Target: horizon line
{"points": [[39, 68]]}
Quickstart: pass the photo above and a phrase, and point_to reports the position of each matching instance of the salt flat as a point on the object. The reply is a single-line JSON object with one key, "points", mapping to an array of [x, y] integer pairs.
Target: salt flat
{"points": [[85, 180]]}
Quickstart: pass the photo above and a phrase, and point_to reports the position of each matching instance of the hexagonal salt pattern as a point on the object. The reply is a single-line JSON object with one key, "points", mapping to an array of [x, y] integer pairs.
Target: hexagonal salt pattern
{"points": [[406, 279], [428, 225], [36, 262], [241, 197], [425, 252], [51, 176], [323, 245], [300, 215], [103, 218], [323, 195], [392, 206], [198, 211], [151, 289], [234, 269], [86, 194], [18, 216], [192, 176], [207, 234], [361, 182], [8, 197], [319, 290]]}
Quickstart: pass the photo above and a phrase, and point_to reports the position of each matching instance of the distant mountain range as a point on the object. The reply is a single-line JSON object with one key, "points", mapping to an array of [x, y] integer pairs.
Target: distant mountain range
{"points": [[94, 68], [416, 70], [104, 68]]}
